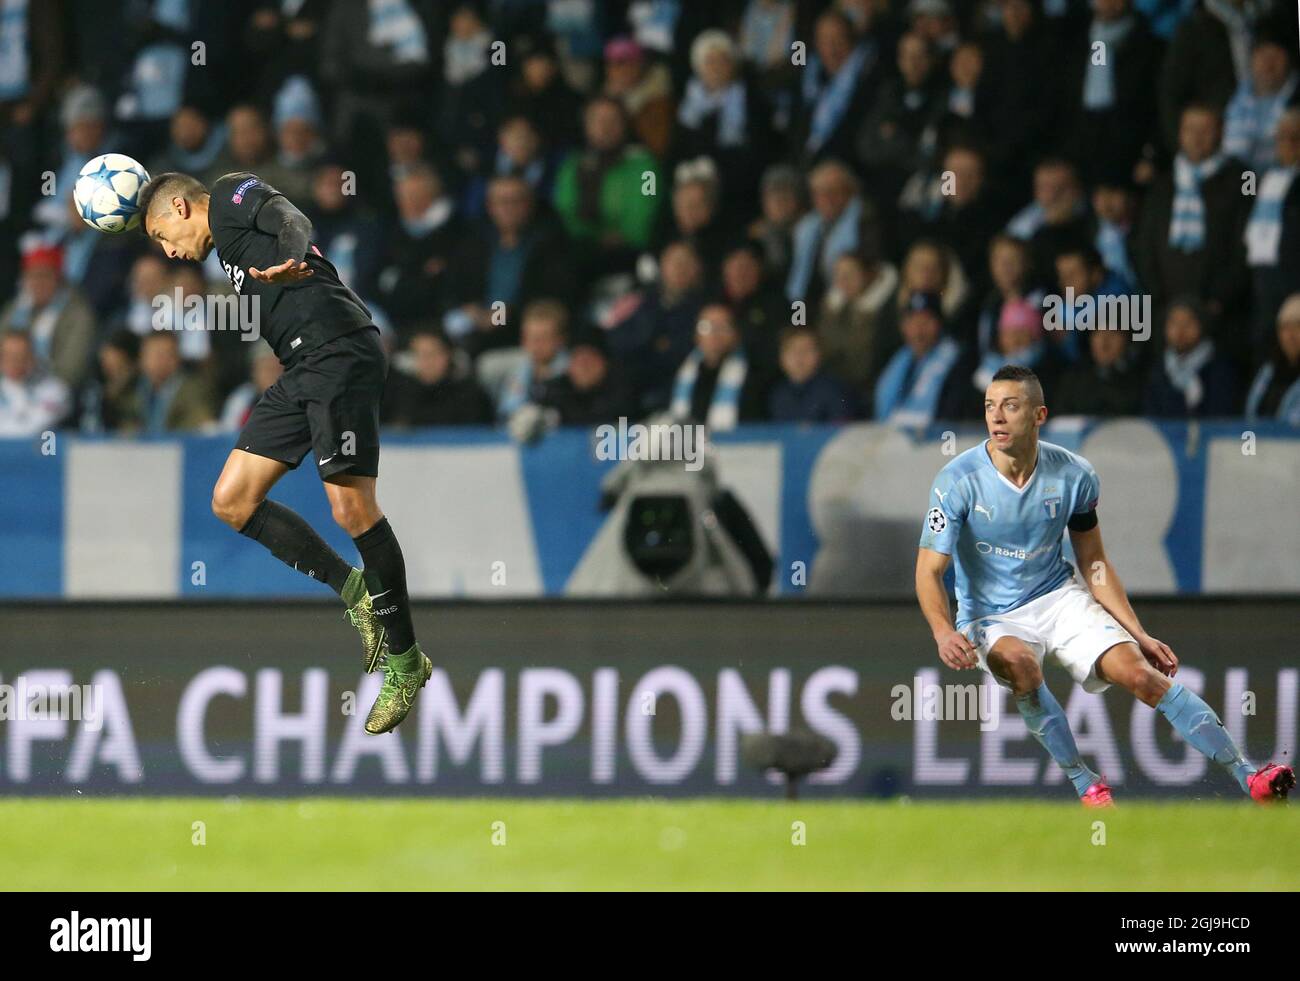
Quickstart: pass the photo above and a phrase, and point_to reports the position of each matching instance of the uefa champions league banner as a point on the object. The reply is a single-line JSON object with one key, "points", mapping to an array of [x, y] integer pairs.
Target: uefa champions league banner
{"points": [[1185, 509], [589, 699]]}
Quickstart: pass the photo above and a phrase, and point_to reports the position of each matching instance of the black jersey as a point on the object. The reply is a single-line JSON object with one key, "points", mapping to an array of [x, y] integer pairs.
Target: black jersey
{"points": [[293, 317]]}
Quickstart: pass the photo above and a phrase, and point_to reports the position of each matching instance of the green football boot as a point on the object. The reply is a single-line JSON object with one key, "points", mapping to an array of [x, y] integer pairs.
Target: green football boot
{"points": [[404, 676], [361, 611]]}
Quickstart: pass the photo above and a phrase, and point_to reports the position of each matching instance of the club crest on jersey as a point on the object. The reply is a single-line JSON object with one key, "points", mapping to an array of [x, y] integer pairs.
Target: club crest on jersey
{"points": [[238, 196], [1051, 505]]}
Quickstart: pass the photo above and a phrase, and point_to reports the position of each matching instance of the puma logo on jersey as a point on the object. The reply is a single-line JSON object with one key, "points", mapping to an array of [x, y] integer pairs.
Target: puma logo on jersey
{"points": [[987, 512]]}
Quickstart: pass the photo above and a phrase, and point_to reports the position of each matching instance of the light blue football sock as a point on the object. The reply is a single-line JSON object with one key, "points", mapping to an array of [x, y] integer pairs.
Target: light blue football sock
{"points": [[1198, 724], [1046, 720]]}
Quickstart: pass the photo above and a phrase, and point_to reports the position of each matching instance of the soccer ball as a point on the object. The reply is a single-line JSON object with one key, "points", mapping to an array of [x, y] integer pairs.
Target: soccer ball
{"points": [[108, 192]]}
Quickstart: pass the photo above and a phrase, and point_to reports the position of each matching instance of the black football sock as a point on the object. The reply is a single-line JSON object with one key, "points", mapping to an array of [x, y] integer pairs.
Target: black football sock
{"points": [[385, 572], [295, 543]]}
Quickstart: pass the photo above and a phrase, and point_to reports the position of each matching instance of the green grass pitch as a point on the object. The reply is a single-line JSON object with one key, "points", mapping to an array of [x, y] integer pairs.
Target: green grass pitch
{"points": [[333, 844]]}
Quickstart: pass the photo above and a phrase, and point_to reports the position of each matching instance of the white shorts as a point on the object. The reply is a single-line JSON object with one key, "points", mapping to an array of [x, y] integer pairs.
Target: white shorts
{"points": [[1067, 625]]}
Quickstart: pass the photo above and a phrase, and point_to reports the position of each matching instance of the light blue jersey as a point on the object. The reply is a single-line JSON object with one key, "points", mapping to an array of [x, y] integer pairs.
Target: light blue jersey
{"points": [[1006, 541]]}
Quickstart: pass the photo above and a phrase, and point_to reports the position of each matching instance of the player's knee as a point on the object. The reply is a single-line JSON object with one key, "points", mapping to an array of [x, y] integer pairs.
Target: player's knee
{"points": [[1018, 666], [1148, 685], [232, 507], [352, 514]]}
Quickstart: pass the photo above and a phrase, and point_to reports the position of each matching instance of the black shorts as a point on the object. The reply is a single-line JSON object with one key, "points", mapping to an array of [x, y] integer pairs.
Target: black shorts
{"points": [[327, 404]]}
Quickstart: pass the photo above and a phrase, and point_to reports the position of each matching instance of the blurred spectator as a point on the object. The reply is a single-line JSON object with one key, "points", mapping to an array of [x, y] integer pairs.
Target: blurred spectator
{"points": [[1208, 59], [541, 93], [264, 371], [805, 392], [431, 394], [543, 335], [513, 258], [94, 263], [1251, 118], [757, 304], [592, 390], [714, 384], [848, 323], [344, 229], [645, 90], [767, 30], [834, 89], [966, 106], [1273, 232], [1081, 274], [1022, 99], [194, 144], [284, 38], [249, 147], [600, 191], [696, 214], [724, 118], [1114, 214], [413, 283], [1191, 380], [1109, 383], [56, 316], [1009, 270], [376, 55], [919, 383], [31, 401], [1111, 111], [296, 119], [1056, 219], [841, 220], [110, 402], [1275, 392], [956, 207], [930, 269], [84, 118], [519, 153], [782, 204], [472, 94], [1191, 238], [1020, 340], [900, 133], [653, 331], [171, 400]]}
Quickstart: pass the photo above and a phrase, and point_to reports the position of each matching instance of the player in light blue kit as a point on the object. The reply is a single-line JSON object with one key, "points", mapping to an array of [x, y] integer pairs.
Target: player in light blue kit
{"points": [[1001, 509]]}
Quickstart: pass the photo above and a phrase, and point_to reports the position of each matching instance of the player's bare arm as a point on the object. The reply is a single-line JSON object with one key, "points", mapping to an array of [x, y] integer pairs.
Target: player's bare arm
{"points": [[954, 649], [1105, 585]]}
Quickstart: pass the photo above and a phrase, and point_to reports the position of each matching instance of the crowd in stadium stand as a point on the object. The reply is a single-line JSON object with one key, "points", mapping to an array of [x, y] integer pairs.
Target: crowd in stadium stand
{"points": [[565, 211]]}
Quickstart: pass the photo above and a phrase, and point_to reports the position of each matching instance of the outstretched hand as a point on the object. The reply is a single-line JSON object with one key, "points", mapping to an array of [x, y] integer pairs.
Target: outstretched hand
{"points": [[288, 271]]}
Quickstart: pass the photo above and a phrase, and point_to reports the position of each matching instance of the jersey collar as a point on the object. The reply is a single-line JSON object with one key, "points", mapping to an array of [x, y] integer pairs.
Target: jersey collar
{"points": [[1038, 459]]}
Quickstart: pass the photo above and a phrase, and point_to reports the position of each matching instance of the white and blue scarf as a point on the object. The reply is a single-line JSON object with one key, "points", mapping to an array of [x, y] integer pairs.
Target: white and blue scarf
{"points": [[15, 64], [1250, 122], [1187, 222], [394, 25], [1184, 372], [915, 404], [1288, 409], [1264, 229], [1099, 79], [724, 409], [1112, 243], [729, 104], [830, 97], [840, 238]]}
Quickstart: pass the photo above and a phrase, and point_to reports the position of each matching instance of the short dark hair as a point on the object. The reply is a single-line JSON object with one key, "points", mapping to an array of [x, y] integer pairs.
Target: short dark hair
{"points": [[1026, 376], [167, 186]]}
